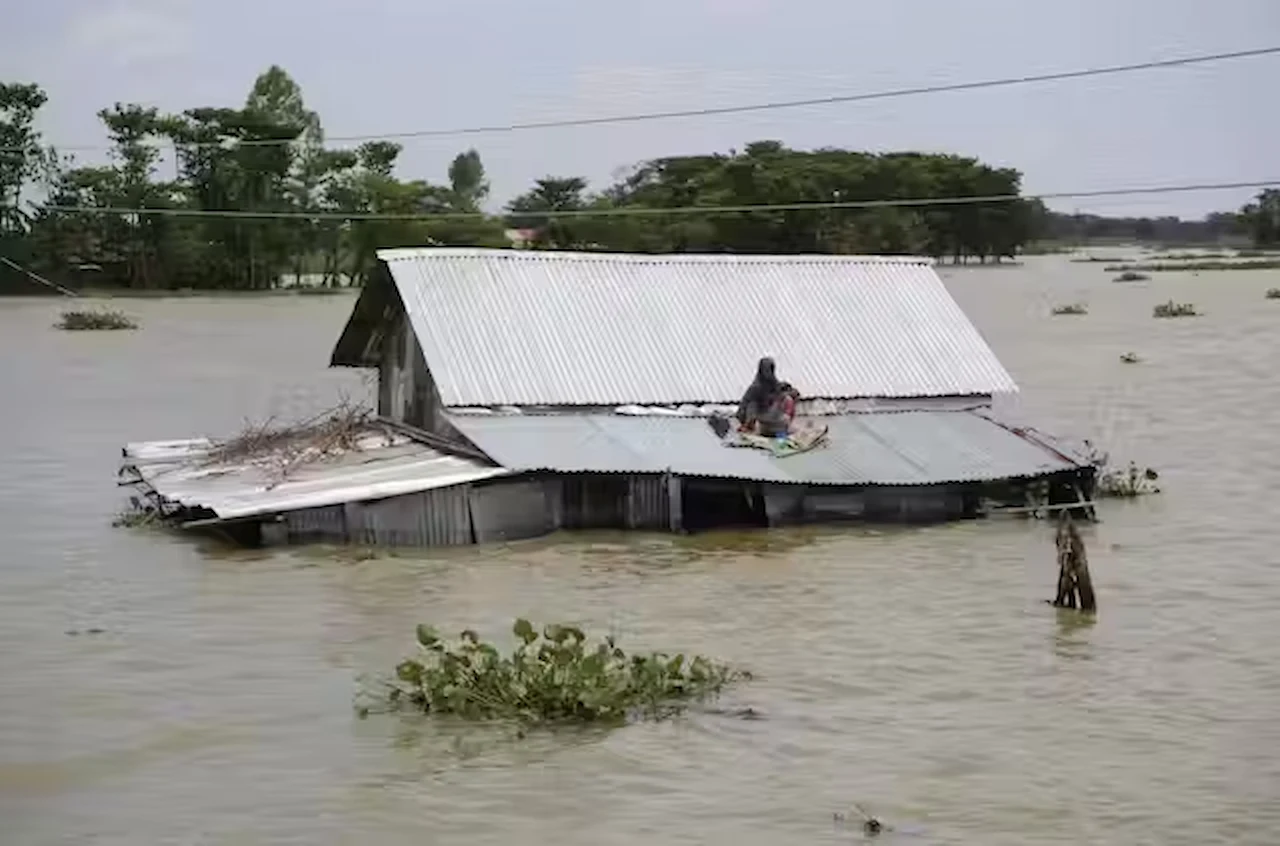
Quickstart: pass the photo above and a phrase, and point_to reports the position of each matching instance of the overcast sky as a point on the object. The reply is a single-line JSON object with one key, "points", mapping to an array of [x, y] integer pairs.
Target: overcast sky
{"points": [[394, 65]]}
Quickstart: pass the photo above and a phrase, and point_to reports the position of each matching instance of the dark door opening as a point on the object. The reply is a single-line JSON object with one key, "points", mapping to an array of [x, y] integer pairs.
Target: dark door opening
{"points": [[716, 504]]}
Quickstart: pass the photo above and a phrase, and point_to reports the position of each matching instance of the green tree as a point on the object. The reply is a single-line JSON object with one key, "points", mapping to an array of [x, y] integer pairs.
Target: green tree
{"points": [[24, 162], [140, 237], [467, 181], [457, 219], [1261, 218], [280, 203], [768, 173], [290, 174], [551, 194], [372, 188]]}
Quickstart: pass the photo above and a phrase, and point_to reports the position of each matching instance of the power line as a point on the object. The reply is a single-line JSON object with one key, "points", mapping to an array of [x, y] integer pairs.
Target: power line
{"points": [[750, 107], [647, 211]]}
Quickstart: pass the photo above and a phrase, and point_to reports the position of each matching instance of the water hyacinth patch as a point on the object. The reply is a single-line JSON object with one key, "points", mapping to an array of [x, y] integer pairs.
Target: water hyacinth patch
{"points": [[551, 676]]}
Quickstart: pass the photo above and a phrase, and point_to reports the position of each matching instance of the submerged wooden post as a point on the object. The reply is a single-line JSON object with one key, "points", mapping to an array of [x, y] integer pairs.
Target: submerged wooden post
{"points": [[1074, 581]]}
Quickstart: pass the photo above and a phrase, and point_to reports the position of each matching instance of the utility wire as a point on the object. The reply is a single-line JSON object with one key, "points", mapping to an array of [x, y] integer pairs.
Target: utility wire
{"points": [[751, 107], [36, 277], [649, 211]]}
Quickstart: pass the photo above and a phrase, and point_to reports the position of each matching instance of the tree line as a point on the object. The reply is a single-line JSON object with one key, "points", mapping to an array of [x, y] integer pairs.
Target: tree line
{"points": [[1257, 222], [269, 156]]}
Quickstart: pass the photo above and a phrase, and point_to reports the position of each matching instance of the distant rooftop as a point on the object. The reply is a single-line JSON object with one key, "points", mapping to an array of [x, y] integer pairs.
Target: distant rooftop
{"points": [[538, 328]]}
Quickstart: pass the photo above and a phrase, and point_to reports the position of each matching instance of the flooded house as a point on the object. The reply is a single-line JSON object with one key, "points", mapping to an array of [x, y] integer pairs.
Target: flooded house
{"points": [[521, 392]]}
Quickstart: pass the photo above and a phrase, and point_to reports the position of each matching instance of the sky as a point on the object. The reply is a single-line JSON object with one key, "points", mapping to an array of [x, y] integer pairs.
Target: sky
{"points": [[379, 66]]}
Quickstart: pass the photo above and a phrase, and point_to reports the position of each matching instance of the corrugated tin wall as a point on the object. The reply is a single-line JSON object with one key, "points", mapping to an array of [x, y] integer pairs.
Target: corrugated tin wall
{"points": [[613, 501], [648, 505], [594, 502], [316, 525], [514, 510], [910, 505], [890, 505], [432, 518]]}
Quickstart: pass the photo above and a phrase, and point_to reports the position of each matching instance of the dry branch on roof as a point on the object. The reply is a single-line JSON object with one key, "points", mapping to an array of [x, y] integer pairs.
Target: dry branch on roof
{"points": [[283, 448]]}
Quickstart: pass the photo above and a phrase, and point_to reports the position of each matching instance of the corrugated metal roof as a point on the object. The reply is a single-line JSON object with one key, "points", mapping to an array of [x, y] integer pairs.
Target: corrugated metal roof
{"points": [[382, 467], [887, 448], [525, 328]]}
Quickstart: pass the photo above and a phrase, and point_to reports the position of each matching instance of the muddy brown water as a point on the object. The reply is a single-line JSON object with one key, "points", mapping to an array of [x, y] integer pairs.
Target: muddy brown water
{"points": [[914, 672]]}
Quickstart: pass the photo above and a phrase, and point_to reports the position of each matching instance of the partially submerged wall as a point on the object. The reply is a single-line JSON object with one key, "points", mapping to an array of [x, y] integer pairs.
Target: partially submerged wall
{"points": [[512, 509], [515, 508]]}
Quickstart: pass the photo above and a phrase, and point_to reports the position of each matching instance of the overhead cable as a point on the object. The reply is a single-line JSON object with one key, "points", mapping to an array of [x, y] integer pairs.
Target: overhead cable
{"points": [[489, 129], [649, 211]]}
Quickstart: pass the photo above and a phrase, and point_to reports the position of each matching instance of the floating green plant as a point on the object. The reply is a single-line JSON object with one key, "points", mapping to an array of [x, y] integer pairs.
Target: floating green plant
{"points": [[550, 676]]}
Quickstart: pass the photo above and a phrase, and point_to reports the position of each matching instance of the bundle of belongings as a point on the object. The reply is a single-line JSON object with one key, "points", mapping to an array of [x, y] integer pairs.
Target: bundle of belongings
{"points": [[766, 418]]}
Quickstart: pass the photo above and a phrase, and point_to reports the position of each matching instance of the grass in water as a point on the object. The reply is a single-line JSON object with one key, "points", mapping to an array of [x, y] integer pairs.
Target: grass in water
{"points": [[1205, 255], [552, 676], [1131, 276], [317, 291], [1172, 309], [1273, 294], [1071, 308], [95, 321], [1212, 264]]}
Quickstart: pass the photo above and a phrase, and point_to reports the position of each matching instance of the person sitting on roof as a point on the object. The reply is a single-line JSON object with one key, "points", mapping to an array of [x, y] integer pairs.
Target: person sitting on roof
{"points": [[760, 410]]}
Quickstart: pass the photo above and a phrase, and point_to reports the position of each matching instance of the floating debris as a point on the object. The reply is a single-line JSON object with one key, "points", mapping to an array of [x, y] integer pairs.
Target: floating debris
{"points": [[1071, 308], [1130, 358], [748, 714], [1131, 276], [1172, 309], [871, 826], [1273, 294], [1127, 483]]}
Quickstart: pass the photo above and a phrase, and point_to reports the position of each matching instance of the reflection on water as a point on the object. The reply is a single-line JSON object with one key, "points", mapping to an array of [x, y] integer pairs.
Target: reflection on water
{"points": [[1071, 640], [917, 672]]}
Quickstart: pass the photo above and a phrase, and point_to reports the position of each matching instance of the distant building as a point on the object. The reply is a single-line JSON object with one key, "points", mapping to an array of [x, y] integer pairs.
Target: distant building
{"points": [[540, 390], [520, 238]]}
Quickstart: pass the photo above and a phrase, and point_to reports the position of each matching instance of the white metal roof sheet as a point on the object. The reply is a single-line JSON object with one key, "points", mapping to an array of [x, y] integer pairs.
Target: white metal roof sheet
{"points": [[382, 467], [527, 328]]}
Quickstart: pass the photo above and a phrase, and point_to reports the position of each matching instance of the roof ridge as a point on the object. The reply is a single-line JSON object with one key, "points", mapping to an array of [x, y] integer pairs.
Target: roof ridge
{"points": [[398, 254]]}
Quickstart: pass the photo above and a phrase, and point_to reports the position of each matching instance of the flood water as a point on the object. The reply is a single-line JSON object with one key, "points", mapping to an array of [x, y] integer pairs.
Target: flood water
{"points": [[207, 698]]}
